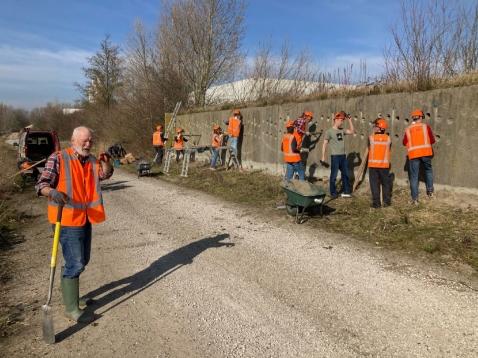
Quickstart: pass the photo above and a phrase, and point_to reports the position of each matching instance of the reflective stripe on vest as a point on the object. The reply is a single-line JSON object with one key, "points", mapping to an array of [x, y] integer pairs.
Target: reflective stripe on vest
{"points": [[234, 126], [157, 140], [82, 185], [418, 141], [216, 140], [289, 155], [379, 153]]}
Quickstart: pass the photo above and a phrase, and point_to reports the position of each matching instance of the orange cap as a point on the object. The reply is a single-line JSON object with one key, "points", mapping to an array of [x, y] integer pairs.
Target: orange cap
{"points": [[418, 113], [339, 115], [381, 123]]}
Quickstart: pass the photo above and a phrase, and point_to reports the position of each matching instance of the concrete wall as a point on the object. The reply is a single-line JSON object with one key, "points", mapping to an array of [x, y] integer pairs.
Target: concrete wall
{"points": [[451, 113]]}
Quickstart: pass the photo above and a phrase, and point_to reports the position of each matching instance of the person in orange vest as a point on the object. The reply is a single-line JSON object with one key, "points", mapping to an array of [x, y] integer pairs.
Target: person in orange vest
{"points": [[301, 127], [234, 128], [158, 143], [291, 153], [71, 179], [216, 143], [379, 164], [418, 139], [179, 140]]}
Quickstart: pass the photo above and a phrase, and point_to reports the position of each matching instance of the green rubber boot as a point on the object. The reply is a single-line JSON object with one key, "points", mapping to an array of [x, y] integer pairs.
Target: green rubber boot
{"points": [[70, 292], [83, 302]]}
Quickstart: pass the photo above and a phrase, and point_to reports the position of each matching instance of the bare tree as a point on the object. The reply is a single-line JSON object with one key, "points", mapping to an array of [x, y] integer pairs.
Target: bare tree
{"points": [[7, 118], [142, 93], [467, 38], [424, 43], [277, 73], [200, 42], [434, 40], [48, 117], [104, 74]]}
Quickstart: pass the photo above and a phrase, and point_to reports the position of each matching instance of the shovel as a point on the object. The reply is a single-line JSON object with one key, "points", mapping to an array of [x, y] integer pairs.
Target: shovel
{"points": [[48, 331]]}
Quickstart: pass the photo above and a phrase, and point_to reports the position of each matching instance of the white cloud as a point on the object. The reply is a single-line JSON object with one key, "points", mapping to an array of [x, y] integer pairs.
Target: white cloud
{"points": [[30, 76]]}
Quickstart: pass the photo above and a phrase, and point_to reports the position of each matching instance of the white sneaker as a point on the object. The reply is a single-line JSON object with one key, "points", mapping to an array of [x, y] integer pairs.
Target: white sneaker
{"points": [[348, 196], [413, 202]]}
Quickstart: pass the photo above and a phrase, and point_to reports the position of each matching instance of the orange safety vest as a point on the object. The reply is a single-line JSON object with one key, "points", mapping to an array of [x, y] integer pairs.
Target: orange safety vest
{"points": [[216, 140], [418, 141], [289, 155], [82, 185], [298, 138], [179, 144], [157, 140], [379, 152], [234, 126]]}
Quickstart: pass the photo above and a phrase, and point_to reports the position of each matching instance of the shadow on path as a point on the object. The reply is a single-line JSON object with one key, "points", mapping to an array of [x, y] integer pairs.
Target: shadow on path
{"points": [[144, 279]]}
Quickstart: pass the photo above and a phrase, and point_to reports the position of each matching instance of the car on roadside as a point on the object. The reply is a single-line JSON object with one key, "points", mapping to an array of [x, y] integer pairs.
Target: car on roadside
{"points": [[35, 145]]}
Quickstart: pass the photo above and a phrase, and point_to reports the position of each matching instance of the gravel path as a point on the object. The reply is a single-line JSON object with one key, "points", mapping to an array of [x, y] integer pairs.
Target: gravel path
{"points": [[177, 273]]}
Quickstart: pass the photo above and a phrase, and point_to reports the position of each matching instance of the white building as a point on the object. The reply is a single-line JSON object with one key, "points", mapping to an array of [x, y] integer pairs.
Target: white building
{"points": [[253, 89]]}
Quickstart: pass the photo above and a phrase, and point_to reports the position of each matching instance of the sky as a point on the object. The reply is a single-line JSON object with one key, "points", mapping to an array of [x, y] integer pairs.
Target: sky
{"points": [[45, 43]]}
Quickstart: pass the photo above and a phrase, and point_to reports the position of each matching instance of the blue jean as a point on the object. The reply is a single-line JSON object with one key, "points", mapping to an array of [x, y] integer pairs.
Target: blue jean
{"points": [[233, 142], [290, 171], [214, 157], [339, 162], [414, 165], [76, 248]]}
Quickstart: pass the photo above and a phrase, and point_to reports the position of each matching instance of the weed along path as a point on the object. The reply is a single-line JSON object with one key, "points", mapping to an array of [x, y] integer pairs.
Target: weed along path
{"points": [[177, 273]]}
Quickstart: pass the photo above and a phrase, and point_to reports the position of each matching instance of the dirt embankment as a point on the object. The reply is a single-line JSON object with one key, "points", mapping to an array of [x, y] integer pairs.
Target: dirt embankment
{"points": [[177, 273], [12, 138]]}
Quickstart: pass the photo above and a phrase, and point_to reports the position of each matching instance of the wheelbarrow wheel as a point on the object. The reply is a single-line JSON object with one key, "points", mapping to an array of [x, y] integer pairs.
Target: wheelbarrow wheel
{"points": [[291, 210]]}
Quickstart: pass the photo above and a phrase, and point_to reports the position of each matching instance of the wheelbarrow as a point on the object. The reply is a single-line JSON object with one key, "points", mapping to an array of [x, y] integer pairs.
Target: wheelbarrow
{"points": [[302, 195], [142, 167]]}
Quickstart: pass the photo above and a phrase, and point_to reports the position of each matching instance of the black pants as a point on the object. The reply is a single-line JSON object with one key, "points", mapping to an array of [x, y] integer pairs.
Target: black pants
{"points": [[376, 175], [178, 153], [159, 155]]}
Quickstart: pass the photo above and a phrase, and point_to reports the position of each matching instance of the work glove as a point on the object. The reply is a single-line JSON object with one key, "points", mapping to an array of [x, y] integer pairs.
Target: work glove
{"points": [[104, 156], [58, 197], [307, 133]]}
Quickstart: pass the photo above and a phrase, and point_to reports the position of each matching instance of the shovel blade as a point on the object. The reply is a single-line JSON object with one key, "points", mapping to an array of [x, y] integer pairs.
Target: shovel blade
{"points": [[48, 330]]}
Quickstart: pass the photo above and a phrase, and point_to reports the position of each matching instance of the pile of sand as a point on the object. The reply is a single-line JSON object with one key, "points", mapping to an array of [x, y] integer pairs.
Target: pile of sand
{"points": [[302, 187]]}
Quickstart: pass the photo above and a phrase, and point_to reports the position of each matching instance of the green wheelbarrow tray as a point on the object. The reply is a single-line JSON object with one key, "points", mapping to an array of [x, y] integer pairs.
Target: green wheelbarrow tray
{"points": [[300, 196]]}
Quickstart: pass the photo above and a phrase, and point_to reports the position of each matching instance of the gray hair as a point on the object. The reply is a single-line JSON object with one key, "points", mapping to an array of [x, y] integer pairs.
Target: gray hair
{"points": [[80, 129]]}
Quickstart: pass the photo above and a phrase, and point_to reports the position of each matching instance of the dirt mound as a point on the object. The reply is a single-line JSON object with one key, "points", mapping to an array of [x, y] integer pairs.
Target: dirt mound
{"points": [[302, 187], [12, 138]]}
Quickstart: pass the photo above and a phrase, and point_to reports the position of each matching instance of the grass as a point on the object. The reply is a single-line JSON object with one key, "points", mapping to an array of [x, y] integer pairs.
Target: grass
{"points": [[433, 230], [10, 221]]}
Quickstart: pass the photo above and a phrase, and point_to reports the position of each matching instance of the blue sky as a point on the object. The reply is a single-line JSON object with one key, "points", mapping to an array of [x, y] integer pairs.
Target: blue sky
{"points": [[44, 43]]}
